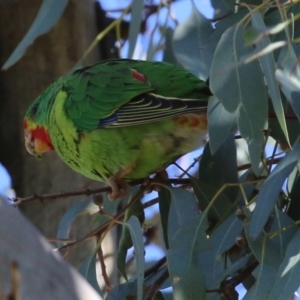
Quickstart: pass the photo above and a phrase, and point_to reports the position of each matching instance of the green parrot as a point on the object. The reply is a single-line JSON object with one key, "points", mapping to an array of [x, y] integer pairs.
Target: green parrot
{"points": [[119, 120]]}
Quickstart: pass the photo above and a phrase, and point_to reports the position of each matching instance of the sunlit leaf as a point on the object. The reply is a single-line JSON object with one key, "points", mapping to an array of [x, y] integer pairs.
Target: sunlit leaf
{"points": [[241, 87], [137, 7], [268, 194], [287, 280], [49, 13], [189, 38], [268, 66]]}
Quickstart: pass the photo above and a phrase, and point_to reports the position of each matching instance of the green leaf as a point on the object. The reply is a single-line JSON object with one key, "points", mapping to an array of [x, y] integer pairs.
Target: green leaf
{"points": [[137, 238], [136, 209], [284, 231], [168, 55], [269, 262], [88, 271], [183, 204], [137, 7], [49, 13], [221, 168], [223, 7], [77, 209], [220, 209], [211, 262], [220, 27], [188, 40], [164, 201], [289, 79], [287, 280], [122, 291], [268, 66], [241, 87], [220, 123], [268, 194], [187, 280]]}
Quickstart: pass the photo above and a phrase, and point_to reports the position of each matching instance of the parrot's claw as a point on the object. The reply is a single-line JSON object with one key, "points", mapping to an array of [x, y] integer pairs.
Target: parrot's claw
{"points": [[119, 188], [117, 183]]}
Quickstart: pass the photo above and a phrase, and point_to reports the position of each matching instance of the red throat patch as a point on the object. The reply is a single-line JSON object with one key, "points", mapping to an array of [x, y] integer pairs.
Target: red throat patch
{"points": [[42, 134]]}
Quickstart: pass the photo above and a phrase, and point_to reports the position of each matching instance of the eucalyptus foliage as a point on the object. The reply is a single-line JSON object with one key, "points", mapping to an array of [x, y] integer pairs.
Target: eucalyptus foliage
{"points": [[231, 223]]}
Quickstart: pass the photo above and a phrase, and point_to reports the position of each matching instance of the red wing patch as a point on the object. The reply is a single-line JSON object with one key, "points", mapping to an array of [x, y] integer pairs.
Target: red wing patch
{"points": [[138, 76]]}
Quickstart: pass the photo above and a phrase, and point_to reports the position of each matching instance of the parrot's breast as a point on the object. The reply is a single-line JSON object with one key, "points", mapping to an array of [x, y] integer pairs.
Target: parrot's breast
{"points": [[101, 153]]}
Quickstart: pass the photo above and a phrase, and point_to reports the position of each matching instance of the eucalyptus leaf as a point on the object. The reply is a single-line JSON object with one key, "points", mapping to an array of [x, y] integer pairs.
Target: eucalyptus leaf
{"points": [[79, 208], [189, 38], [268, 194], [287, 280], [269, 262], [268, 66], [240, 87], [88, 271], [220, 123], [187, 280], [48, 14], [137, 7]]}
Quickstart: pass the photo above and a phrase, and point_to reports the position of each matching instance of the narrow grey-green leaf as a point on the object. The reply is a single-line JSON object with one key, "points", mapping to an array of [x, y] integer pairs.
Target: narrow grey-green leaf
{"points": [[223, 7], [49, 13], [135, 209], [282, 225], [287, 280], [220, 209], [74, 211], [88, 271], [268, 66], [269, 262], [122, 291], [137, 7], [289, 79], [241, 87], [221, 168], [134, 227], [268, 194], [187, 280], [189, 39], [183, 204], [220, 123], [168, 55]]}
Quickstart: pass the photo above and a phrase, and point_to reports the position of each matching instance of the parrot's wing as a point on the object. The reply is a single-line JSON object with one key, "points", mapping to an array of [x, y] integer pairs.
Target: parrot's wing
{"points": [[149, 108], [95, 93], [112, 94]]}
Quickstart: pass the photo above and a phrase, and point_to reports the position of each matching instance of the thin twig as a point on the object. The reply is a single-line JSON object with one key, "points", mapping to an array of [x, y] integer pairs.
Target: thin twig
{"points": [[103, 268]]}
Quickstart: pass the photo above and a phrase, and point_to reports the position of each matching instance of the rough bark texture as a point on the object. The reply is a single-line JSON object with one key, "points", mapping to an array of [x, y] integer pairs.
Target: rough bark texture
{"points": [[51, 56]]}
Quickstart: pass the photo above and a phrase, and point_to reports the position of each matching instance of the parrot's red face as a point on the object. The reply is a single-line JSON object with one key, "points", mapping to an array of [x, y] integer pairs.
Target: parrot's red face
{"points": [[37, 139]]}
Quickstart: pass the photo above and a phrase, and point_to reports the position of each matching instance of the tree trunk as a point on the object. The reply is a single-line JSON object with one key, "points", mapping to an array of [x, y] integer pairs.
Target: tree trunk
{"points": [[51, 56]]}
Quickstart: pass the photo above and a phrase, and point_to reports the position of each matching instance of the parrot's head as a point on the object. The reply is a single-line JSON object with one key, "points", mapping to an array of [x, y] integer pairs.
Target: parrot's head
{"points": [[37, 138]]}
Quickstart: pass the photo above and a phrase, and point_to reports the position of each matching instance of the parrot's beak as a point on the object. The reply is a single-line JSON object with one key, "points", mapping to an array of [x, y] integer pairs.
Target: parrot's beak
{"points": [[34, 146]]}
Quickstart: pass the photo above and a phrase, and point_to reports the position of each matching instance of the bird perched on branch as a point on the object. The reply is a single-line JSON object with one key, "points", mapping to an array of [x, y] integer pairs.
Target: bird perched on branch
{"points": [[119, 120]]}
